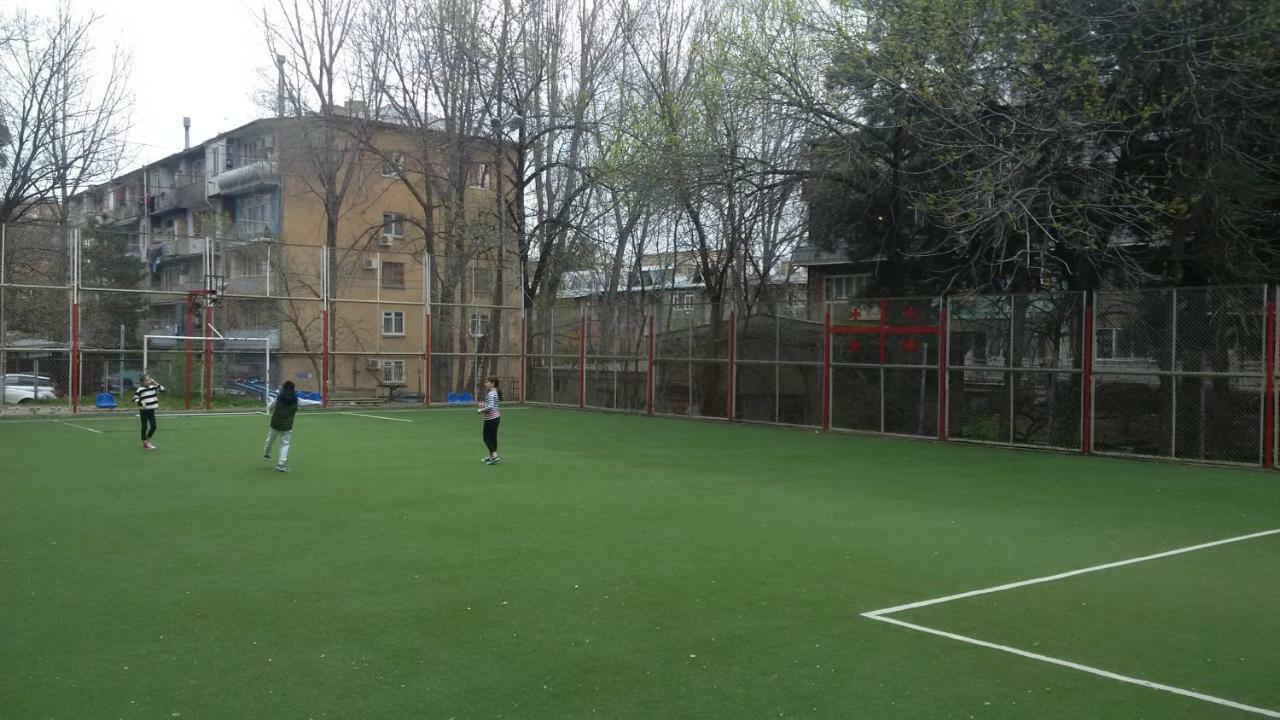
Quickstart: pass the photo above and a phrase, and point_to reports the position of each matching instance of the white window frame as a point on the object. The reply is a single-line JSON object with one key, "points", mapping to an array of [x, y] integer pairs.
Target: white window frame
{"points": [[393, 165], [478, 324], [393, 225], [684, 301], [396, 317], [843, 287], [393, 372]]}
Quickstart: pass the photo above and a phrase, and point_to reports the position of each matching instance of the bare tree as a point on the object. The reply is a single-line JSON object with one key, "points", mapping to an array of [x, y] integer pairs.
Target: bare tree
{"points": [[62, 125]]}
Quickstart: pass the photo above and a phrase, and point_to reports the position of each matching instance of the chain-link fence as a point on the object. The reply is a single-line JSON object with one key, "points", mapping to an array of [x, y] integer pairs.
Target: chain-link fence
{"points": [[477, 322], [1015, 369], [778, 367], [349, 325], [1182, 373], [884, 365]]}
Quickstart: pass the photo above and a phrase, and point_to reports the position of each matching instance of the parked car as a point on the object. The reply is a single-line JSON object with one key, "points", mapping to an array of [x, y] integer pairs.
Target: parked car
{"points": [[23, 388]]}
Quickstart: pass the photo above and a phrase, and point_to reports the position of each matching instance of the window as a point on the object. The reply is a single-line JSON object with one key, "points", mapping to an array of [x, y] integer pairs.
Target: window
{"points": [[1108, 342], [481, 284], [392, 274], [684, 302], [392, 225], [479, 325], [393, 323], [393, 165], [393, 372], [843, 287], [478, 175], [1123, 344]]}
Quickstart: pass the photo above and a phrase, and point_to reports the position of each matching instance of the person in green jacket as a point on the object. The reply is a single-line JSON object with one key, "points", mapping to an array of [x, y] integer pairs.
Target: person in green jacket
{"points": [[282, 411]]}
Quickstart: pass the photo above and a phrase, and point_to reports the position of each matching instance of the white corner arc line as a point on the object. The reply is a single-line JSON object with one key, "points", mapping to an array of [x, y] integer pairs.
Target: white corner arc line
{"points": [[81, 427], [1077, 666], [375, 417], [877, 614]]}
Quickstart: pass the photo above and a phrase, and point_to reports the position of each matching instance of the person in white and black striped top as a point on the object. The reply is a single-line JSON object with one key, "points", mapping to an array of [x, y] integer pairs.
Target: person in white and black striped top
{"points": [[147, 397], [492, 417]]}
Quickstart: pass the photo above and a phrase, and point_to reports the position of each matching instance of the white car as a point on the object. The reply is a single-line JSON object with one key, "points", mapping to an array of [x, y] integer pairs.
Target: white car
{"points": [[23, 388]]}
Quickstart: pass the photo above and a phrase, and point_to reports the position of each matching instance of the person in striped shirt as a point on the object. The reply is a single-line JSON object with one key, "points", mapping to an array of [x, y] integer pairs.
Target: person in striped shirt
{"points": [[147, 397], [492, 416]]}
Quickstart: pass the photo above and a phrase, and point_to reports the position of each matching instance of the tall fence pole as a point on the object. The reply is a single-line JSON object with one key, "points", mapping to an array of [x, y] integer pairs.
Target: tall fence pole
{"points": [[426, 358], [186, 361], [1269, 399], [648, 381], [208, 357], [1086, 378], [731, 380], [524, 351], [74, 240], [826, 370], [943, 337], [582, 358]]}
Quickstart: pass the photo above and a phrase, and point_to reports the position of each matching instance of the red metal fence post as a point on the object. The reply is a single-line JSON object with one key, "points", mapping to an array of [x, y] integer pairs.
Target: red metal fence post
{"points": [[1086, 378], [826, 370], [1269, 400]]}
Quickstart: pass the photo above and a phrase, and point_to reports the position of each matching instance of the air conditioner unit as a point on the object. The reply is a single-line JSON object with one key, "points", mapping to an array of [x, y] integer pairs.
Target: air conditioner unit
{"points": [[371, 263], [385, 240], [374, 364]]}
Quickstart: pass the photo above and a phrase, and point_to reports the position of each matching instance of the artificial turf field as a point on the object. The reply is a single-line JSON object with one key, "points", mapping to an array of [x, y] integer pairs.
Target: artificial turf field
{"points": [[617, 566]]}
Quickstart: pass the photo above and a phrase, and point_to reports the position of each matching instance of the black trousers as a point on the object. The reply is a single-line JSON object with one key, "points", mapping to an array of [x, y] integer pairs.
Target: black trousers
{"points": [[491, 434], [148, 423]]}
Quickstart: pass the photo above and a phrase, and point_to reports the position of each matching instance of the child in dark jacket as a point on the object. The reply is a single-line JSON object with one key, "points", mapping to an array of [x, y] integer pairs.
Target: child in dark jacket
{"points": [[282, 411]]}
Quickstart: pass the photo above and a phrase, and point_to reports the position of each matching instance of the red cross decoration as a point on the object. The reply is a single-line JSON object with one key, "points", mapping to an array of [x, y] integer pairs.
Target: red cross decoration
{"points": [[883, 330]]}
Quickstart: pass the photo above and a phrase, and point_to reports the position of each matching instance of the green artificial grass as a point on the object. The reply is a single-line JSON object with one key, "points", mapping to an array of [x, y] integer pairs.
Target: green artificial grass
{"points": [[611, 566]]}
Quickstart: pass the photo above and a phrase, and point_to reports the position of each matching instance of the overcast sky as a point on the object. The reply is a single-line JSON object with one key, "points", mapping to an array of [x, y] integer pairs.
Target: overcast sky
{"points": [[198, 58]]}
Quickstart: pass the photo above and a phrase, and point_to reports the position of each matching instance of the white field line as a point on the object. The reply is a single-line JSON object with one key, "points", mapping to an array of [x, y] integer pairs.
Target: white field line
{"points": [[82, 427], [882, 616], [375, 417], [1082, 668], [1072, 573]]}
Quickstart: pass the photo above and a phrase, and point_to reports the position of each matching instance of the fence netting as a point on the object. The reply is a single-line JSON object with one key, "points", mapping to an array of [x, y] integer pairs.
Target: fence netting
{"points": [[1170, 373]]}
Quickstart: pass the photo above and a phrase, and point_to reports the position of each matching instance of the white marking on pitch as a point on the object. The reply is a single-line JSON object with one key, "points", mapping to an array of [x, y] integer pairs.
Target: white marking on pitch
{"points": [[82, 427], [882, 616], [375, 417]]}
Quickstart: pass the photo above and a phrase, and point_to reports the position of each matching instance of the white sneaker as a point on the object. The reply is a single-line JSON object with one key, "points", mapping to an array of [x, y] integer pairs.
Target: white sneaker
{"points": [[281, 468], [493, 460]]}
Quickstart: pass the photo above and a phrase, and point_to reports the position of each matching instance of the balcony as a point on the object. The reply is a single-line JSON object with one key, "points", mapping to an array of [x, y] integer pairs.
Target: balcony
{"points": [[128, 211], [181, 247], [253, 230], [247, 285], [250, 177], [182, 197]]}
